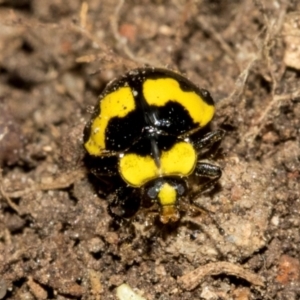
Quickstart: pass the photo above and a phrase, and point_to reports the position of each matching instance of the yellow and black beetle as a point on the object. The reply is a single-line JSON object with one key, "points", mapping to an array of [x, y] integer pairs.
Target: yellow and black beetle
{"points": [[145, 123]]}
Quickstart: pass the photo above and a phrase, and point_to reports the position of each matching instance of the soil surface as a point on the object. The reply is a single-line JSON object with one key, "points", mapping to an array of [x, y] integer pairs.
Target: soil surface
{"points": [[57, 240]]}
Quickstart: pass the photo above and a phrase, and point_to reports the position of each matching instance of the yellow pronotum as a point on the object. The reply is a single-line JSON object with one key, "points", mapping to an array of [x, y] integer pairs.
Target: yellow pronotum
{"points": [[180, 160]]}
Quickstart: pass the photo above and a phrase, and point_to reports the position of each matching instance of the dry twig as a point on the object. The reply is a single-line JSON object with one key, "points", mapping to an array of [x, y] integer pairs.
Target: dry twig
{"points": [[61, 182], [6, 197], [193, 279], [273, 27]]}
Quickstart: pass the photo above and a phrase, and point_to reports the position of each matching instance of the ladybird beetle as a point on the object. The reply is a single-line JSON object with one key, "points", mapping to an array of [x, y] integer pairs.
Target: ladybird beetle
{"points": [[146, 122]]}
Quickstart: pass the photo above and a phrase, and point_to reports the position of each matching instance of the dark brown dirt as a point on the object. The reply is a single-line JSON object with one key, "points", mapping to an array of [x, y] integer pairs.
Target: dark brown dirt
{"points": [[56, 239]]}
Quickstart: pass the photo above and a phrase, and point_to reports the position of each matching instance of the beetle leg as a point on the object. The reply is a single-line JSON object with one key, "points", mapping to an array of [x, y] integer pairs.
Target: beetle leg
{"points": [[124, 204], [119, 219], [208, 140], [115, 203], [210, 171]]}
